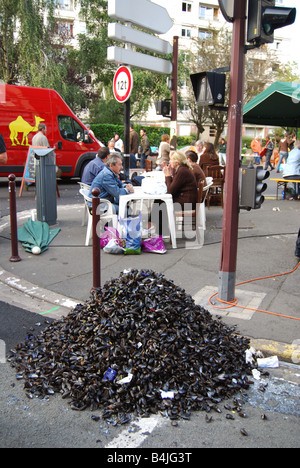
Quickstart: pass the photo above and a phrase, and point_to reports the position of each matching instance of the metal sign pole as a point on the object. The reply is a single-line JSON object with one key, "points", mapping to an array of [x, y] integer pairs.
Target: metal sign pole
{"points": [[227, 274]]}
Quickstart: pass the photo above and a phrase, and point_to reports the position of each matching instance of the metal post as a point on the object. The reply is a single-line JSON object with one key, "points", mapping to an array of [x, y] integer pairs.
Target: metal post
{"points": [[127, 126], [227, 274], [96, 240], [13, 219], [175, 79]]}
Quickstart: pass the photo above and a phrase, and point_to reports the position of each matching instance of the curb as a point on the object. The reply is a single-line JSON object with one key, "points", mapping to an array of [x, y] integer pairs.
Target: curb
{"points": [[285, 352], [35, 291]]}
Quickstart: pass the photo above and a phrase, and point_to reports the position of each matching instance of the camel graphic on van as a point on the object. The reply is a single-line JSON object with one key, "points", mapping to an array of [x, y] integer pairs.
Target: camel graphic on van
{"points": [[21, 126]]}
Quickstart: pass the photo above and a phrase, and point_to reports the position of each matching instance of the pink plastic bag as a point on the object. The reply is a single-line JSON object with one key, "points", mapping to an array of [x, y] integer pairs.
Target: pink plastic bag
{"points": [[154, 245], [110, 233]]}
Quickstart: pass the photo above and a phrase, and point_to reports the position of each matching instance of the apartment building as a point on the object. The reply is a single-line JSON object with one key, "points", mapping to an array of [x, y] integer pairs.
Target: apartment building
{"points": [[192, 19]]}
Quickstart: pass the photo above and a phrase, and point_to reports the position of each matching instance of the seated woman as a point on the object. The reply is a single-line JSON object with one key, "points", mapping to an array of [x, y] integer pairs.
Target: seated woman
{"points": [[192, 158], [182, 185], [209, 156], [291, 169]]}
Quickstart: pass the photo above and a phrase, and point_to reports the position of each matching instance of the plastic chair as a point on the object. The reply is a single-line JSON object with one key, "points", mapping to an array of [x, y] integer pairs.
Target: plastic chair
{"points": [[106, 217], [85, 187], [198, 215]]}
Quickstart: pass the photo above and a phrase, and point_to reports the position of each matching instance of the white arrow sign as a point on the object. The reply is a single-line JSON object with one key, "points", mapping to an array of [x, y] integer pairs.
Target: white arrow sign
{"points": [[143, 13], [136, 59], [123, 33]]}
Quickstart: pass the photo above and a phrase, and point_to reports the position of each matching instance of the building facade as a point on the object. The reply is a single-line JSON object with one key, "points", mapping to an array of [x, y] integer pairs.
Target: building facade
{"points": [[192, 19]]}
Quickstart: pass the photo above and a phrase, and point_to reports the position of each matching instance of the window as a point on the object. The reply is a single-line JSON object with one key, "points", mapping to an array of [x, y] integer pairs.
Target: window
{"points": [[186, 7], [65, 28], [70, 130], [63, 4], [203, 34], [206, 13], [186, 32]]}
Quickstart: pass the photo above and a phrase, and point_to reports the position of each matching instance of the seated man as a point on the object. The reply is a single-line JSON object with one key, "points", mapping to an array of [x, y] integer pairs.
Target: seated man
{"points": [[95, 166], [109, 183]]}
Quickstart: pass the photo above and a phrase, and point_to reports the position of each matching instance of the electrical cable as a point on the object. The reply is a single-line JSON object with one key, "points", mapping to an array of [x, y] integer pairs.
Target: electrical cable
{"points": [[234, 303]]}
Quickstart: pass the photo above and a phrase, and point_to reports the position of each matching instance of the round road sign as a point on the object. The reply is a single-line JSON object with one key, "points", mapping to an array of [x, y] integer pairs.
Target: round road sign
{"points": [[122, 84]]}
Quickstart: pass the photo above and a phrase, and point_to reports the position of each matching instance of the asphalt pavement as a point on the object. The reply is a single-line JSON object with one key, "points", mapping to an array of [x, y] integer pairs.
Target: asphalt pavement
{"points": [[63, 275], [42, 288]]}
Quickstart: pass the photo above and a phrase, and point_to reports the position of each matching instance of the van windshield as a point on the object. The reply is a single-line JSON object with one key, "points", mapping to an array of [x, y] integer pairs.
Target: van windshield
{"points": [[70, 130]]}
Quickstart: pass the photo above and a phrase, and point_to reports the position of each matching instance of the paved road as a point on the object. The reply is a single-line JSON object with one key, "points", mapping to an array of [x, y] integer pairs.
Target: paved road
{"points": [[40, 423], [51, 423]]}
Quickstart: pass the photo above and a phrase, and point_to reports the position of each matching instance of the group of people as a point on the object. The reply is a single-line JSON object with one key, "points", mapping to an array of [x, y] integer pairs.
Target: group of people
{"points": [[288, 149], [183, 172]]}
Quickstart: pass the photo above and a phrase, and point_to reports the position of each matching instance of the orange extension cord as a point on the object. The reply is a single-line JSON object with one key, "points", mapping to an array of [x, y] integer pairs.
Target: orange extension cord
{"points": [[235, 304]]}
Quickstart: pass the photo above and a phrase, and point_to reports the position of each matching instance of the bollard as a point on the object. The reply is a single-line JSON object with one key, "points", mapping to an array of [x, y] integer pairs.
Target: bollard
{"points": [[13, 219], [96, 241]]}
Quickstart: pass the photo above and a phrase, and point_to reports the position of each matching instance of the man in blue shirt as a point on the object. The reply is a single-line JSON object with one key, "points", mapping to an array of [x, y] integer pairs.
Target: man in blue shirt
{"points": [[109, 183], [95, 166]]}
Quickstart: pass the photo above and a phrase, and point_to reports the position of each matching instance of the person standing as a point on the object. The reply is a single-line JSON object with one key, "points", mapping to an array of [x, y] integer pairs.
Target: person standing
{"points": [[133, 146], [269, 151], [222, 150], [283, 150], [163, 151], [146, 150], [40, 138], [256, 148], [3, 153]]}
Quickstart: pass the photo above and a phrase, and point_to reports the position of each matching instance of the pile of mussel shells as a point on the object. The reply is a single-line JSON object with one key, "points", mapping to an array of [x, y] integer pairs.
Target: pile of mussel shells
{"points": [[139, 345]]}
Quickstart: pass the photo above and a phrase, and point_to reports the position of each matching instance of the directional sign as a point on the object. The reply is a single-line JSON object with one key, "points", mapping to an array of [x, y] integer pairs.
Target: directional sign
{"points": [[136, 59], [123, 33], [142, 13], [122, 84]]}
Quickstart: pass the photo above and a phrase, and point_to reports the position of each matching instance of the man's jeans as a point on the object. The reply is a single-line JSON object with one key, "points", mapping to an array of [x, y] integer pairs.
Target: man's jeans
{"points": [[281, 156]]}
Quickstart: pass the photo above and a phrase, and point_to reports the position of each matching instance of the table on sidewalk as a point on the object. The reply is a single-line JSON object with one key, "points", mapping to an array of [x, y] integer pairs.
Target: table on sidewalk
{"points": [[139, 194], [283, 183]]}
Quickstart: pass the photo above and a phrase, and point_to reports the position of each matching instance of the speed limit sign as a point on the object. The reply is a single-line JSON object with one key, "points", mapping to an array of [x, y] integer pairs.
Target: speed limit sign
{"points": [[122, 84]]}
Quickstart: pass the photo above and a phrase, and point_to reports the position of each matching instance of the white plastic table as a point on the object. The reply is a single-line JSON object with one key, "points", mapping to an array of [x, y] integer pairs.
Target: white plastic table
{"points": [[140, 195]]}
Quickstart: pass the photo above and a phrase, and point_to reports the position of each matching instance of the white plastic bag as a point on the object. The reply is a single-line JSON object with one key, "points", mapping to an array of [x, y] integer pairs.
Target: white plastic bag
{"points": [[113, 247]]}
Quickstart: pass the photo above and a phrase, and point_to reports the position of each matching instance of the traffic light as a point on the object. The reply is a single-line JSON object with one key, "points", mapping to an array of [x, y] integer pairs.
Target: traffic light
{"points": [[163, 108], [253, 187], [209, 88], [264, 17]]}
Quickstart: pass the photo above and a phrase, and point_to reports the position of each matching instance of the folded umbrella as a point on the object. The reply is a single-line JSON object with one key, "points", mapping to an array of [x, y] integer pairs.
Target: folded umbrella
{"points": [[36, 236]]}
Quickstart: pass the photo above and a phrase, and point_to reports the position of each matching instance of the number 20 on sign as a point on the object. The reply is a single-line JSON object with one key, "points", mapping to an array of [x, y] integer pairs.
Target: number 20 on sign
{"points": [[122, 84]]}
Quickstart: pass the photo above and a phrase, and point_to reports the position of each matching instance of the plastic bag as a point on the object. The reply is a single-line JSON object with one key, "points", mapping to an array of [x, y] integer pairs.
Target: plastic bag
{"points": [[110, 233], [131, 229], [153, 186], [113, 247], [154, 245]]}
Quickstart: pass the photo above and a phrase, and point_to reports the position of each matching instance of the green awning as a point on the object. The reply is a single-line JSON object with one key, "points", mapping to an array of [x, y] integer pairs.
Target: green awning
{"points": [[277, 106]]}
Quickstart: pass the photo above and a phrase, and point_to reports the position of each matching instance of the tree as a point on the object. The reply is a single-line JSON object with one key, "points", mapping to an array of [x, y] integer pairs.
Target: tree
{"points": [[23, 37], [211, 52]]}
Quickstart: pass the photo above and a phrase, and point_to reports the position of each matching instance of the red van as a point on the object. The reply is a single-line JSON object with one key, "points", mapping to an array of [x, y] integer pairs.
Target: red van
{"points": [[21, 111]]}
